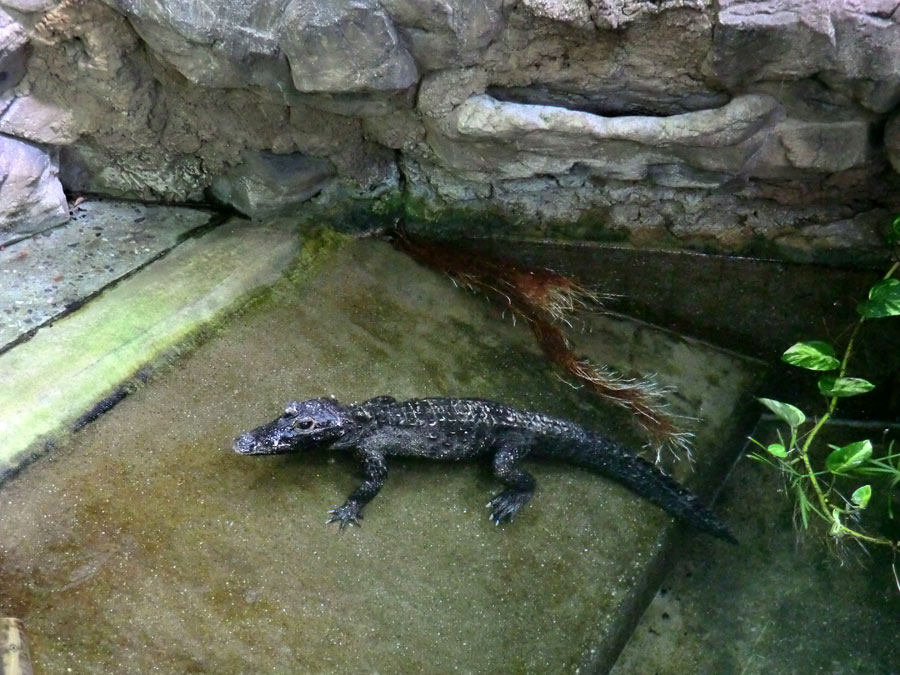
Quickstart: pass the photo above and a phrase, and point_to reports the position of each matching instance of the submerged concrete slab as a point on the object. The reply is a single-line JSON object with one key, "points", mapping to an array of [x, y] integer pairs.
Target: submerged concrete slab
{"points": [[166, 551], [760, 609], [43, 275], [50, 380]]}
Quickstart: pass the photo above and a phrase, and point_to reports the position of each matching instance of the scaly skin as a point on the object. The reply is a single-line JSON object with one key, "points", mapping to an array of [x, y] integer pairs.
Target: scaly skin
{"points": [[453, 429]]}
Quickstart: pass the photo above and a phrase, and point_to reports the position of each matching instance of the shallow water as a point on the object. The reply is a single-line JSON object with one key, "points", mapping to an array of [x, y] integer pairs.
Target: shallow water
{"points": [[786, 601], [146, 545]]}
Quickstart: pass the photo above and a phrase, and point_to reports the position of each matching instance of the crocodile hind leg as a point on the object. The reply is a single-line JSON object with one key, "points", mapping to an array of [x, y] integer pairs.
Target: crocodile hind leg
{"points": [[520, 484]]}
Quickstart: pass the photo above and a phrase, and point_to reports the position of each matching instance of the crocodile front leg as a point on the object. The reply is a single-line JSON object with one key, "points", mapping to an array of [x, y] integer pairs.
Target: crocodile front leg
{"points": [[375, 472], [519, 482]]}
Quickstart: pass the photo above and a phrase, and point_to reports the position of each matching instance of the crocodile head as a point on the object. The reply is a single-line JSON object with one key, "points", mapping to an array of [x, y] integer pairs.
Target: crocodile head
{"points": [[304, 425]]}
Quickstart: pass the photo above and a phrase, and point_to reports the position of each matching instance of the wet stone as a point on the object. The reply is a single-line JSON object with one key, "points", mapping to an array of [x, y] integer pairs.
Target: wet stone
{"points": [[63, 370], [42, 275], [145, 543]]}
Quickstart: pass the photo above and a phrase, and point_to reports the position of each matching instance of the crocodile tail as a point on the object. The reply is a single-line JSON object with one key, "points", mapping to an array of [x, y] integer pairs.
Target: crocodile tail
{"points": [[614, 461]]}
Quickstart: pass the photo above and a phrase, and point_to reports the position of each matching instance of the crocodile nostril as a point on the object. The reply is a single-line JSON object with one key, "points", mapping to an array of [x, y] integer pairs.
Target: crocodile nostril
{"points": [[244, 443]]}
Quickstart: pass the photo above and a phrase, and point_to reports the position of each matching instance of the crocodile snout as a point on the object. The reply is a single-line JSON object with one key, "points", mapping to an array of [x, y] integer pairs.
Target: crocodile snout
{"points": [[244, 444]]}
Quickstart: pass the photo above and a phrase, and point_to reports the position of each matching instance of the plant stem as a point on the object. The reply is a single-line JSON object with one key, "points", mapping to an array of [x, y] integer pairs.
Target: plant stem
{"points": [[849, 350], [832, 404], [881, 541], [810, 473]]}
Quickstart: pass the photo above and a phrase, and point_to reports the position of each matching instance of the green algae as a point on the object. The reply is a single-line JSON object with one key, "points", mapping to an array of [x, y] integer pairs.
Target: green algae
{"points": [[52, 379]]}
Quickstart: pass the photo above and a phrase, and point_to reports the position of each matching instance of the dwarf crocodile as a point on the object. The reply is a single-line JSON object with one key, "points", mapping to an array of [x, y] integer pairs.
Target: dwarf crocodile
{"points": [[453, 429]]}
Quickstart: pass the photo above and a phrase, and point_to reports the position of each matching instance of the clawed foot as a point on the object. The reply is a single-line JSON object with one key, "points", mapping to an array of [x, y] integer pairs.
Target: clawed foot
{"points": [[348, 514], [506, 505]]}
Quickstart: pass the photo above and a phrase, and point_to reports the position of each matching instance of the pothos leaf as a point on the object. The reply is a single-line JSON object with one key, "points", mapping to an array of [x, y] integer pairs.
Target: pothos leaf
{"points": [[884, 300], [845, 458], [812, 355], [777, 450], [785, 412], [861, 496], [831, 385], [893, 237]]}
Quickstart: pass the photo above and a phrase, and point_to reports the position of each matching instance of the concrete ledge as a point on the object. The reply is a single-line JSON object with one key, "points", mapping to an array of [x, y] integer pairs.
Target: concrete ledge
{"points": [[67, 367], [43, 276], [166, 550]]}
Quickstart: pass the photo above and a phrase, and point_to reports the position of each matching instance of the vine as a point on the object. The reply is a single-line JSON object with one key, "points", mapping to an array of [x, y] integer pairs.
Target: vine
{"points": [[813, 485]]}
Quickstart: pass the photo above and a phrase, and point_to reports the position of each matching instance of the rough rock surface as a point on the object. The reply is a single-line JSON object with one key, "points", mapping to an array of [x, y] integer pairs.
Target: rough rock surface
{"points": [[854, 45], [892, 141], [267, 185], [31, 196], [728, 125], [484, 137], [13, 42]]}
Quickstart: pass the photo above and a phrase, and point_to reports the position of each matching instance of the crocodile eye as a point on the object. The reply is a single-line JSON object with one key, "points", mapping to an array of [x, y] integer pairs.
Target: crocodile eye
{"points": [[303, 424]]}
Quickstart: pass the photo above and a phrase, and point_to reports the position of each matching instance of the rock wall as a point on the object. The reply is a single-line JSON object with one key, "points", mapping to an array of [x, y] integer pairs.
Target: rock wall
{"points": [[738, 125]]}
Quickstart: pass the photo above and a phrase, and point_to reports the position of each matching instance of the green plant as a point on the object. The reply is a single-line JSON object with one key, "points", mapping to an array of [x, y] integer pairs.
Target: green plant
{"points": [[814, 483]]}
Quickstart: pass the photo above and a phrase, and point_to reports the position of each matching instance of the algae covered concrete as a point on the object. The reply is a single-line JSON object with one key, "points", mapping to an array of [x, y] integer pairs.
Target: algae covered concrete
{"points": [[147, 545], [52, 379]]}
